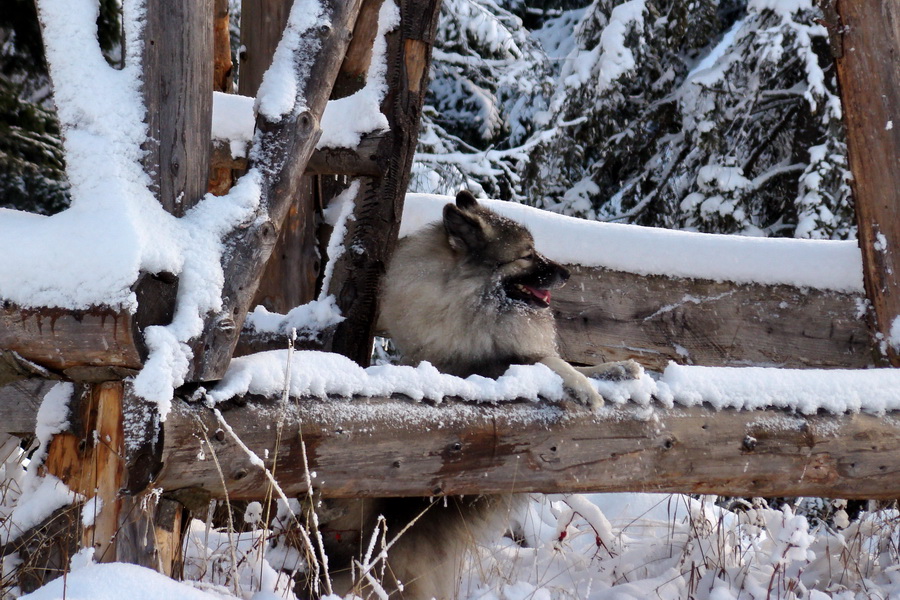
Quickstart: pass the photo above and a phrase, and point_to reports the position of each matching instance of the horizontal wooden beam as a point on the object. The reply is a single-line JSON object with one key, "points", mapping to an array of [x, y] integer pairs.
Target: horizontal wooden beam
{"points": [[610, 315], [358, 162], [95, 344], [396, 447], [602, 315]]}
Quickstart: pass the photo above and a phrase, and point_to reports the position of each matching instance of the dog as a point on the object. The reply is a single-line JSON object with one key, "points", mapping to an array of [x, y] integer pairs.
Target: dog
{"points": [[470, 294]]}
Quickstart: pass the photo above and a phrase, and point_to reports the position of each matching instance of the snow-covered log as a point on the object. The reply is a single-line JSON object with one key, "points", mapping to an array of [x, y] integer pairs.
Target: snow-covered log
{"points": [[292, 100], [95, 344], [867, 48], [398, 447]]}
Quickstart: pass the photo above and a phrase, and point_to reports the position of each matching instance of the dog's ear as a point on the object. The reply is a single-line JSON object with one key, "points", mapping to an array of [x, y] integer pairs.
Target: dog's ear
{"points": [[465, 231], [465, 200]]}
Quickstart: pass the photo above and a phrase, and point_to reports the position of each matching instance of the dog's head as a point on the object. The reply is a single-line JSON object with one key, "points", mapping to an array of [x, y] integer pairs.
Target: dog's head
{"points": [[487, 241]]}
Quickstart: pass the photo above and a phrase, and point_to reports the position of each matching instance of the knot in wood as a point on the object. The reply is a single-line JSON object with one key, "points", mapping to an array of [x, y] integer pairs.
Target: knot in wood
{"points": [[267, 232], [219, 435], [225, 324], [239, 474], [306, 122], [749, 443]]}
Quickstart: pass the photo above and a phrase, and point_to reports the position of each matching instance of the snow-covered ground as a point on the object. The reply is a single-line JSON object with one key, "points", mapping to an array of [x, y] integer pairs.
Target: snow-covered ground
{"points": [[570, 547]]}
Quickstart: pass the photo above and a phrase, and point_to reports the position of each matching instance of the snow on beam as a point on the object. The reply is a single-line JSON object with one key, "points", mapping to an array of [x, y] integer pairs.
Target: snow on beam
{"points": [[397, 447], [93, 344]]}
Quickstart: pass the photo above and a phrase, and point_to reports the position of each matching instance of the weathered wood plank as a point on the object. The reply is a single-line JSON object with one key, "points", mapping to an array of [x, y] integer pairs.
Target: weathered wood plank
{"points": [[262, 23], [372, 233], [284, 148], [868, 68], [610, 315], [396, 447]]}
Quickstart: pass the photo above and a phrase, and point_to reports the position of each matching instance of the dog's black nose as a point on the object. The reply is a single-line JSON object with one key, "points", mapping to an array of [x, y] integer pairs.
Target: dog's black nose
{"points": [[563, 273]]}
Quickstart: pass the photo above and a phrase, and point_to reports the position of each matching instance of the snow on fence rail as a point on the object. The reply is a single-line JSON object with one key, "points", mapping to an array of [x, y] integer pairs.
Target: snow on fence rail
{"points": [[649, 294]]}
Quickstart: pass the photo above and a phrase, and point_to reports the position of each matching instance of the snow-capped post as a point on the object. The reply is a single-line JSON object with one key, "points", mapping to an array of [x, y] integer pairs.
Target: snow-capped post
{"points": [[289, 278], [868, 66], [372, 233], [303, 72]]}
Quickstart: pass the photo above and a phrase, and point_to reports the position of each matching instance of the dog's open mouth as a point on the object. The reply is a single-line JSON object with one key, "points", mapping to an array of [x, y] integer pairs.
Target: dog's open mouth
{"points": [[533, 296]]}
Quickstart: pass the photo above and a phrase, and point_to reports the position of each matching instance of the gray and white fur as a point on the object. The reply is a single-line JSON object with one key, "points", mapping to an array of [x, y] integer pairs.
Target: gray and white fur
{"points": [[471, 295]]}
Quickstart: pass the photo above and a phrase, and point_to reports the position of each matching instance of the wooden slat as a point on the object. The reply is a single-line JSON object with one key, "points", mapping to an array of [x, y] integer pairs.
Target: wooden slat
{"points": [[610, 315], [395, 447], [868, 68]]}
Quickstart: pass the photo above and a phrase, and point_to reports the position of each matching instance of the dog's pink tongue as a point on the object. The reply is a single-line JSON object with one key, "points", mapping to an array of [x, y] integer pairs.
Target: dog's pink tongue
{"points": [[542, 295]]}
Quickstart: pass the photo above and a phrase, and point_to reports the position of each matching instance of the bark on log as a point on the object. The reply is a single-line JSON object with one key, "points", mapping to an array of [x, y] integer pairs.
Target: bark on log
{"points": [[98, 344], [395, 447], [868, 68], [372, 234], [605, 315], [284, 151]]}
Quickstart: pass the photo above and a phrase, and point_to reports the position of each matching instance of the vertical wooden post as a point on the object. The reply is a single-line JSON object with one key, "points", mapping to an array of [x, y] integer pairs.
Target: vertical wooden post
{"points": [[90, 460], [290, 275], [178, 72], [373, 231], [221, 178], [868, 67]]}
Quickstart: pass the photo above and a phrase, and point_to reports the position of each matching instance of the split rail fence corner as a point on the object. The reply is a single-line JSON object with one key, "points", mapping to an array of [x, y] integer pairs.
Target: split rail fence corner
{"points": [[359, 447]]}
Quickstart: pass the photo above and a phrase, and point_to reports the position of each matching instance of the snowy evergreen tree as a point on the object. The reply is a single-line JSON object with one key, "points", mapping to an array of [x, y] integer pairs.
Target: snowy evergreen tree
{"points": [[705, 115]]}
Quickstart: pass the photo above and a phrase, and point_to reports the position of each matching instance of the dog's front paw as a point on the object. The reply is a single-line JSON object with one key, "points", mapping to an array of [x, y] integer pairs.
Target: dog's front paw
{"points": [[583, 392], [616, 371]]}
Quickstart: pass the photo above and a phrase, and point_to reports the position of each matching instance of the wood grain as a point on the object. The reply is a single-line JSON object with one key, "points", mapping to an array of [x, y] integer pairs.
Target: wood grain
{"points": [[177, 89], [90, 461], [395, 447], [606, 315], [868, 68]]}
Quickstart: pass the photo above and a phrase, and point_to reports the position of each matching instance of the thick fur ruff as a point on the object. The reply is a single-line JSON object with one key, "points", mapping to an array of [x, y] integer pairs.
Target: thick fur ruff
{"points": [[471, 295]]}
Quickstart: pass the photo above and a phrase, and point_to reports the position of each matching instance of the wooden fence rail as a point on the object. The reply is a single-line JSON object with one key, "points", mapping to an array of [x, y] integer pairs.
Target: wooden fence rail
{"points": [[397, 447]]}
